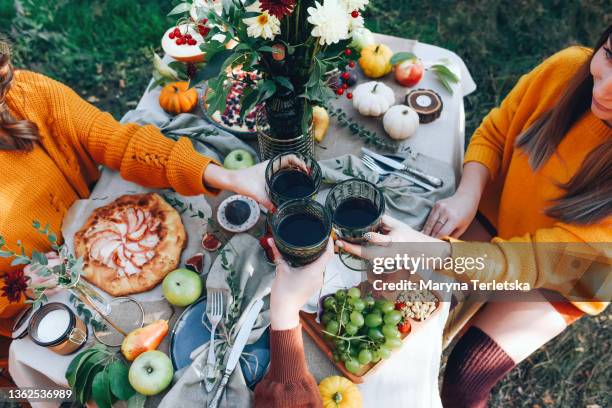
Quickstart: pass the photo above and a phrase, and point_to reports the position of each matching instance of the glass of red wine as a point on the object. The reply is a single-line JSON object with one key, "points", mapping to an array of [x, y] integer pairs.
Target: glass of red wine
{"points": [[291, 176], [301, 229], [357, 207]]}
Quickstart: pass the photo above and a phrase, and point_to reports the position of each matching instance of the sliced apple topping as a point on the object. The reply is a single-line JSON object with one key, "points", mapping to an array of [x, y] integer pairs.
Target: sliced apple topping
{"points": [[125, 243]]}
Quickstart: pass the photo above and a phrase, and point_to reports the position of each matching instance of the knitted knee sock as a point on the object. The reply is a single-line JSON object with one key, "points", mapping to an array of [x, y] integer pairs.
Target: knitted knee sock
{"points": [[474, 366]]}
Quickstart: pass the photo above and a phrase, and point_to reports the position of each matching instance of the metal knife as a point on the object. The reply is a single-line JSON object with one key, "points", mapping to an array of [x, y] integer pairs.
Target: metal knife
{"points": [[236, 351], [434, 181]]}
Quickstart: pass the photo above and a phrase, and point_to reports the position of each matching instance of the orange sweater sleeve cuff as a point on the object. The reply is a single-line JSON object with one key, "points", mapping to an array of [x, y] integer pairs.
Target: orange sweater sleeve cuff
{"points": [[287, 361], [485, 155], [185, 169]]}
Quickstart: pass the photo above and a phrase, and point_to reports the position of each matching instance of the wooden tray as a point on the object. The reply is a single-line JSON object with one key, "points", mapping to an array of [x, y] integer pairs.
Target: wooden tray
{"points": [[314, 330]]}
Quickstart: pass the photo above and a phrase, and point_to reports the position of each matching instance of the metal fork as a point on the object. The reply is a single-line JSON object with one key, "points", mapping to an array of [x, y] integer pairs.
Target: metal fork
{"points": [[214, 313], [372, 165]]}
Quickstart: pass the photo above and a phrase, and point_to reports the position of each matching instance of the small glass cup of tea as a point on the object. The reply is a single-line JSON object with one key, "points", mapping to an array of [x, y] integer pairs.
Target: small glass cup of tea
{"points": [[357, 207], [300, 229], [291, 176]]}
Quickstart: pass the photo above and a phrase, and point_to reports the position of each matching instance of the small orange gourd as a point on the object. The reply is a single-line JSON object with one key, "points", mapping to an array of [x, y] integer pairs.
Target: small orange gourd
{"points": [[177, 98]]}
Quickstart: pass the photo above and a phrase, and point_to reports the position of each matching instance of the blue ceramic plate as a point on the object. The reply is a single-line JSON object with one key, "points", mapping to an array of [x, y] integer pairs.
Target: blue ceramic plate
{"points": [[189, 333]]}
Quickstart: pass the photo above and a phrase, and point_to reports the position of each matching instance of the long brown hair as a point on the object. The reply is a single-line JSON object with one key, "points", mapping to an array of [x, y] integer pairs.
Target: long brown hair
{"points": [[14, 134], [588, 194]]}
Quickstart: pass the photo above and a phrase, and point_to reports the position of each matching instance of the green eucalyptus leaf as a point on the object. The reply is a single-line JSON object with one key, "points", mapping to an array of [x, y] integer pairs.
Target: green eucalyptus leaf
{"points": [[39, 258], [401, 56], [44, 272], [20, 260], [119, 383], [100, 389]]}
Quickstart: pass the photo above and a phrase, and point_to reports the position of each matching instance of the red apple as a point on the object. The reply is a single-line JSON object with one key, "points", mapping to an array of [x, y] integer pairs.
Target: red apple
{"points": [[409, 72]]}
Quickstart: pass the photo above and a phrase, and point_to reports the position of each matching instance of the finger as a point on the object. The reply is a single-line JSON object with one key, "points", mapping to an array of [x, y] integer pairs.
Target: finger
{"points": [[458, 231], [431, 220], [278, 258], [266, 202], [352, 249], [441, 223], [377, 239], [446, 229], [292, 160], [390, 222]]}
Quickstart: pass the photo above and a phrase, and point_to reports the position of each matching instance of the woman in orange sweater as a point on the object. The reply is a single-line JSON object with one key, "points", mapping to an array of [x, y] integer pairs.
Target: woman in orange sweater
{"points": [[539, 171], [51, 143]]}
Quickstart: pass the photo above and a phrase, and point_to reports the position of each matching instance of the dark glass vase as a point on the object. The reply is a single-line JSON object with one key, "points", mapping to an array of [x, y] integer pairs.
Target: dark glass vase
{"points": [[284, 113]]}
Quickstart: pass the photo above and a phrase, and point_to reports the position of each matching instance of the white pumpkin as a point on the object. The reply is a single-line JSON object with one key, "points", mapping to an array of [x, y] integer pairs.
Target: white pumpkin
{"points": [[373, 98], [401, 122]]}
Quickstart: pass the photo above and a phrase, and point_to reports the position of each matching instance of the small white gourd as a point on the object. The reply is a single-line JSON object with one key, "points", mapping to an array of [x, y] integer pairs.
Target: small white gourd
{"points": [[373, 98], [401, 122]]}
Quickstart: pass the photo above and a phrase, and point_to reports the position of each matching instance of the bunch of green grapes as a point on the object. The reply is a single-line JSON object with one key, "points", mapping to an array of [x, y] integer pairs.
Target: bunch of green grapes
{"points": [[363, 330]]}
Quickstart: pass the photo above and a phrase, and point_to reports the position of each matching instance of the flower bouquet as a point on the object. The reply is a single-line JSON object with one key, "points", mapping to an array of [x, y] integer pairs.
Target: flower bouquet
{"points": [[293, 46]]}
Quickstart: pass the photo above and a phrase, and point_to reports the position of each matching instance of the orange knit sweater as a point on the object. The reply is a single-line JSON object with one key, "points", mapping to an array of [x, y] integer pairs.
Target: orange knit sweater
{"points": [[516, 198], [76, 137]]}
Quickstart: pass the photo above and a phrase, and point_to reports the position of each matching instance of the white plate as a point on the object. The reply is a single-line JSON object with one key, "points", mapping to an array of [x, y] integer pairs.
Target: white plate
{"points": [[245, 226]]}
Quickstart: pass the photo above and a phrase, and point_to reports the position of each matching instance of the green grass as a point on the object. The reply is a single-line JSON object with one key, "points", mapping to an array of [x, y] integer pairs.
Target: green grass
{"points": [[100, 48]]}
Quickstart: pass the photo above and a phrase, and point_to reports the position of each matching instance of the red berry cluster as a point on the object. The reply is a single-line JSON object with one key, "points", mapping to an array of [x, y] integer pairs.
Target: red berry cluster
{"points": [[355, 13], [180, 38], [202, 28], [345, 77]]}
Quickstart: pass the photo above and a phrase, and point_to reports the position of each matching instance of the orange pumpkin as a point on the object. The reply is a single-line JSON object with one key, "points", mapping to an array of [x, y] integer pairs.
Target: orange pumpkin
{"points": [[177, 98]]}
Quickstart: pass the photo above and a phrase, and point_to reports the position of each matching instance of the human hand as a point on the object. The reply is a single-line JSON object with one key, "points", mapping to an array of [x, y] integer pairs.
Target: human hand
{"points": [[47, 282], [392, 231], [292, 287], [250, 181], [451, 216]]}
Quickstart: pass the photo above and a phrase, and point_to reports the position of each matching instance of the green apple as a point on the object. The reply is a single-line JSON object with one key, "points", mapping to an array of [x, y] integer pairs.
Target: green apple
{"points": [[362, 37], [151, 372], [182, 287], [238, 159]]}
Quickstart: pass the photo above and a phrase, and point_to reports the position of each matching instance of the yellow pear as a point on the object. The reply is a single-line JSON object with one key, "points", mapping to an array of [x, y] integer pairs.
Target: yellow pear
{"points": [[320, 120]]}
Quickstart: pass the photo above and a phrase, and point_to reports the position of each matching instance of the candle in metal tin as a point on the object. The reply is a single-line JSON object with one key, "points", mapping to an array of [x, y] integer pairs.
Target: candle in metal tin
{"points": [[56, 327]]}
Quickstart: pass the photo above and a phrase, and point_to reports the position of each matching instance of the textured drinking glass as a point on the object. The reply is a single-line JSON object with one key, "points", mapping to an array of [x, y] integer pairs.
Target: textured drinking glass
{"points": [[355, 190], [291, 176], [308, 244]]}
